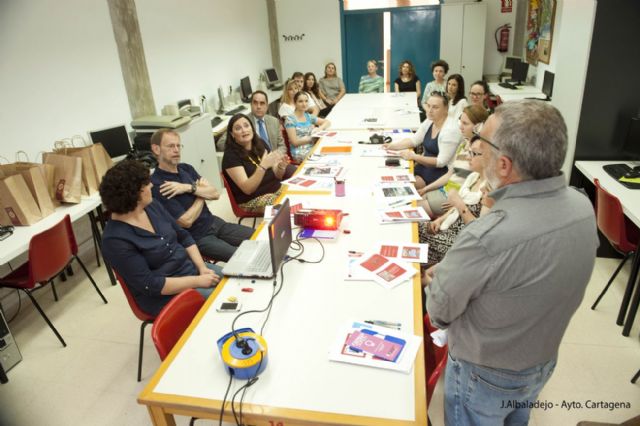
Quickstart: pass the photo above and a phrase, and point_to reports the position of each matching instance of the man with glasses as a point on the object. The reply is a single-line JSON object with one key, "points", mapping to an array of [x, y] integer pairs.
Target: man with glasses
{"points": [[183, 192], [526, 267]]}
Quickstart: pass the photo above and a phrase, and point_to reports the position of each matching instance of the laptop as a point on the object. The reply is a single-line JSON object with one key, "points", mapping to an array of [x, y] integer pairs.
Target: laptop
{"points": [[261, 259]]}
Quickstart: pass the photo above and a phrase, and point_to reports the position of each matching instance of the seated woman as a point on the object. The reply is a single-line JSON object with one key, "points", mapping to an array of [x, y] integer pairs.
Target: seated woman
{"points": [[372, 82], [455, 91], [286, 101], [253, 174], [142, 242], [478, 93], [434, 194], [331, 86], [439, 136], [463, 207], [313, 90], [439, 69], [408, 81], [300, 127]]}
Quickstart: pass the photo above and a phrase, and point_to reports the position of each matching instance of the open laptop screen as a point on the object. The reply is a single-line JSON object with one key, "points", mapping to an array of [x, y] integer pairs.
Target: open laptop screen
{"points": [[280, 235]]}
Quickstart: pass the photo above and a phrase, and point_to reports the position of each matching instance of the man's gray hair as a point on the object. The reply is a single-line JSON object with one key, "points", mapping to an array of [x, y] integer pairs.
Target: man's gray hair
{"points": [[533, 135]]}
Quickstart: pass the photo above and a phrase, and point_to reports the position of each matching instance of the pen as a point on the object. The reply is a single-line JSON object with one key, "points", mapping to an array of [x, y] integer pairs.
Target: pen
{"points": [[386, 324]]}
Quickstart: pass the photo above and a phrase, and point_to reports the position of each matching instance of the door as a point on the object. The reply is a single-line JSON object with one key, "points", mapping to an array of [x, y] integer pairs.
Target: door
{"points": [[363, 40], [415, 35], [475, 18]]}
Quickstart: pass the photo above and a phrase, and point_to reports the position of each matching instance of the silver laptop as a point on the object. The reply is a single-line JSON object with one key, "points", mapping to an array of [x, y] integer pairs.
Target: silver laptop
{"points": [[261, 259]]}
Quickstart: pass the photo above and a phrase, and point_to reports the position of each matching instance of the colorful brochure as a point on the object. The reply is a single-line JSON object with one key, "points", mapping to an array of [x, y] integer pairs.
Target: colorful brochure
{"points": [[386, 272]]}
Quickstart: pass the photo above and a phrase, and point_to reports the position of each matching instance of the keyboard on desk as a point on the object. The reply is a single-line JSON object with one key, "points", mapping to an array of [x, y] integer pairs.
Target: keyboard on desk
{"points": [[616, 171], [215, 121], [235, 110], [507, 85]]}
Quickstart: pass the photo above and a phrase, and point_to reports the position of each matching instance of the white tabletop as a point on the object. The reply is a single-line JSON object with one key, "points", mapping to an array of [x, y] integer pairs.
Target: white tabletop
{"points": [[18, 243], [376, 111], [629, 198], [521, 92], [307, 315]]}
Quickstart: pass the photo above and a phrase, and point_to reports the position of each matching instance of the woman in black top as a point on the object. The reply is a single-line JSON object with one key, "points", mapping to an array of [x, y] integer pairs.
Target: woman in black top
{"points": [[408, 81], [253, 174]]}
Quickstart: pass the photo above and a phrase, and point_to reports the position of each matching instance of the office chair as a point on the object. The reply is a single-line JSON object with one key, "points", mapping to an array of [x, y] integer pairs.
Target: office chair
{"points": [[623, 236], [435, 358], [140, 314], [50, 252], [174, 319], [240, 213]]}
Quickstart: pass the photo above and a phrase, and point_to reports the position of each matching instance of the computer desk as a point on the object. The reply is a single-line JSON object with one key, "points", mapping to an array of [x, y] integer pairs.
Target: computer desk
{"points": [[630, 201], [300, 386], [522, 92], [376, 111], [18, 242]]}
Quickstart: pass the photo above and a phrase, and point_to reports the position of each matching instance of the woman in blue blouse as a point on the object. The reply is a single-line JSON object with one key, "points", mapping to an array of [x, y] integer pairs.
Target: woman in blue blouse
{"points": [[300, 126], [156, 258]]}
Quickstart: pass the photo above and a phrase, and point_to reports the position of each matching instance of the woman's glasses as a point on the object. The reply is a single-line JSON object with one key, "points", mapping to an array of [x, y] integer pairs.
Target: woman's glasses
{"points": [[440, 94]]}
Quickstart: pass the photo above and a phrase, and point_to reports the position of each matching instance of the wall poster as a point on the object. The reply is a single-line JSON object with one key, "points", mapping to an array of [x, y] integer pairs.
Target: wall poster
{"points": [[540, 20]]}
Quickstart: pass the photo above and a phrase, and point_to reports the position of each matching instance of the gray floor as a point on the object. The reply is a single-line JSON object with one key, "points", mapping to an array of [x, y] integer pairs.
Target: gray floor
{"points": [[92, 381]]}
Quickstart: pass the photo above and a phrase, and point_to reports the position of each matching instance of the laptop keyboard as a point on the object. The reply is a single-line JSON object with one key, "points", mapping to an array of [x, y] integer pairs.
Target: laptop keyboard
{"points": [[261, 260]]}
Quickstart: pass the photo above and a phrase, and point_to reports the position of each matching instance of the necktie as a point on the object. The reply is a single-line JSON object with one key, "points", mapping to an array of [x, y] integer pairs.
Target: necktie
{"points": [[263, 134]]}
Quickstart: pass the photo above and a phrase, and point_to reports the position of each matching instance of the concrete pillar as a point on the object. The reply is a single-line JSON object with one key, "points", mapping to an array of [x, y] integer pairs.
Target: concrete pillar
{"points": [[273, 37]]}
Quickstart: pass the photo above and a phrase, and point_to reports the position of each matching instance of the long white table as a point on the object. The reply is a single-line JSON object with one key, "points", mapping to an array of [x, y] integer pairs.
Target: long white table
{"points": [[300, 385], [376, 111], [630, 201], [522, 92]]}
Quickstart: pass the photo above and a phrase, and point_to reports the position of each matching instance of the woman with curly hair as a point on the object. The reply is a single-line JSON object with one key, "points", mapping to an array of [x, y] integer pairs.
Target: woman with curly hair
{"points": [[407, 80], [142, 242]]}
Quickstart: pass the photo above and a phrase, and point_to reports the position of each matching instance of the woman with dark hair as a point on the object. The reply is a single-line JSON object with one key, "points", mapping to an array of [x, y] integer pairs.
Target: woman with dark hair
{"points": [[313, 90], [478, 93], [300, 127], [407, 80], [253, 174], [457, 100], [331, 86], [142, 242], [439, 69]]}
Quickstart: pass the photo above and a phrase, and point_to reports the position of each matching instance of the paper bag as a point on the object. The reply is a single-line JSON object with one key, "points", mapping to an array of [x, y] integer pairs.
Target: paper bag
{"points": [[102, 161], [34, 176], [18, 207], [89, 175], [67, 179]]}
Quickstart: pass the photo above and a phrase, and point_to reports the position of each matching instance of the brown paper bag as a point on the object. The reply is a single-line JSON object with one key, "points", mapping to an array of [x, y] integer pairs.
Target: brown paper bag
{"points": [[19, 208], [34, 176], [102, 161], [67, 178], [89, 175]]}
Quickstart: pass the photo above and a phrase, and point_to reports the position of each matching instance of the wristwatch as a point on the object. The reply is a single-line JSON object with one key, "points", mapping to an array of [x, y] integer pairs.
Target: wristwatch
{"points": [[194, 186]]}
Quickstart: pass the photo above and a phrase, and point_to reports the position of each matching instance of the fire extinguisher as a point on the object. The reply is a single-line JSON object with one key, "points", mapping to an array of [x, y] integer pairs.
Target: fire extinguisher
{"points": [[503, 43]]}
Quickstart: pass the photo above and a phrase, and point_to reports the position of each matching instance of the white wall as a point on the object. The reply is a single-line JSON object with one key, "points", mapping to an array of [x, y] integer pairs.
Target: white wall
{"points": [[59, 73], [192, 49], [494, 60], [319, 21]]}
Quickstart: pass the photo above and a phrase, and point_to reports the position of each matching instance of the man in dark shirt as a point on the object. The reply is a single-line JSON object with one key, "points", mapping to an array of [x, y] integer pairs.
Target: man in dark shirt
{"points": [[183, 192]]}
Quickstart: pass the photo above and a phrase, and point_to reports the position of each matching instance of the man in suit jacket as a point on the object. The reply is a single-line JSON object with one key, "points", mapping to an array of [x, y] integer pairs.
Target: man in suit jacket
{"points": [[272, 135]]}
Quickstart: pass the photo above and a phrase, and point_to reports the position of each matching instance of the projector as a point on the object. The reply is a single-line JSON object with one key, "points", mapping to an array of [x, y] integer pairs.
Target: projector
{"points": [[318, 218]]}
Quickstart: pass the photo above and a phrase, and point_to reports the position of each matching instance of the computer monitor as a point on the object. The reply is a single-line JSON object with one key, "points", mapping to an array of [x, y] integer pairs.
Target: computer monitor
{"points": [[273, 80], [631, 147], [547, 84], [114, 139], [510, 61], [519, 73], [245, 89]]}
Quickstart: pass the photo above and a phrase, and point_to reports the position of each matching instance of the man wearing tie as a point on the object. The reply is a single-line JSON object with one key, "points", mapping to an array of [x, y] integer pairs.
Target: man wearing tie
{"points": [[268, 127]]}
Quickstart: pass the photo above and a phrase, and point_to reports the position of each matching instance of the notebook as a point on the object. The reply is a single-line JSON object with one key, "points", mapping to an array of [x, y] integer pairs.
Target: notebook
{"points": [[261, 259]]}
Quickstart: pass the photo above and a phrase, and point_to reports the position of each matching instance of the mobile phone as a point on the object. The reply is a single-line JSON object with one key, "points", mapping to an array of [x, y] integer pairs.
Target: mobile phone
{"points": [[393, 162], [229, 307]]}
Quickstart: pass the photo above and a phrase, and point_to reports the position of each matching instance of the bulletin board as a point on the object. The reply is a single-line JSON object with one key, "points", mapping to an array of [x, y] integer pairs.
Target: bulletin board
{"points": [[540, 21]]}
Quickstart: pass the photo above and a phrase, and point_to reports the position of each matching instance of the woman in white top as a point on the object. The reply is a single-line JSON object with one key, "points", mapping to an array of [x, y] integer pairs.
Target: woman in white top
{"points": [[286, 101], [439, 69], [439, 135], [455, 91]]}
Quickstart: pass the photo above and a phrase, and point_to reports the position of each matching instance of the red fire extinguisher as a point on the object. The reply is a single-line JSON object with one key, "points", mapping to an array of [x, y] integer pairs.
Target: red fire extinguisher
{"points": [[503, 43]]}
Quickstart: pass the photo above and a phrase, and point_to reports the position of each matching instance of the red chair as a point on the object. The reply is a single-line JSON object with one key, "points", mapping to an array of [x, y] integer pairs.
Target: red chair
{"points": [[237, 210], [623, 236], [140, 314], [435, 358], [50, 252], [174, 319]]}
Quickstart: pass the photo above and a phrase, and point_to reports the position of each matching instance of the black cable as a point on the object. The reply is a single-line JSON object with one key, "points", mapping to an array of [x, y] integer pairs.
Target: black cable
{"points": [[224, 400], [249, 384]]}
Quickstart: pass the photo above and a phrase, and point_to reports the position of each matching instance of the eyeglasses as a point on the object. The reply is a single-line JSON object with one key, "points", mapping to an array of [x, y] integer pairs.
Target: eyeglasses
{"points": [[476, 94], [493, 145], [175, 146], [474, 154]]}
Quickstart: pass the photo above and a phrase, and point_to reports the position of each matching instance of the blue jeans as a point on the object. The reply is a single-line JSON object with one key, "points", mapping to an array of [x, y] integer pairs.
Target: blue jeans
{"points": [[206, 292], [222, 239], [479, 395]]}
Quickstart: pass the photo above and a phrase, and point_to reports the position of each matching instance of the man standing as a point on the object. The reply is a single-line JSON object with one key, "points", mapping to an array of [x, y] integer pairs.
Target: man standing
{"points": [[268, 127], [183, 193], [508, 287]]}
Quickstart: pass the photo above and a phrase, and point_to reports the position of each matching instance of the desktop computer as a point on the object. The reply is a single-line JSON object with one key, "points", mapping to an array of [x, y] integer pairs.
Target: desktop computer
{"points": [[273, 81], [9, 352], [114, 139], [245, 89], [547, 84]]}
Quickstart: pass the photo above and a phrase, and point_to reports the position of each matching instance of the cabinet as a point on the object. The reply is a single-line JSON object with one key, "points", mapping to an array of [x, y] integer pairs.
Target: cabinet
{"points": [[199, 149], [462, 33]]}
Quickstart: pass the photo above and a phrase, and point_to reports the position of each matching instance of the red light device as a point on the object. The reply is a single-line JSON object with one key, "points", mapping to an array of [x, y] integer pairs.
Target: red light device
{"points": [[318, 218]]}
